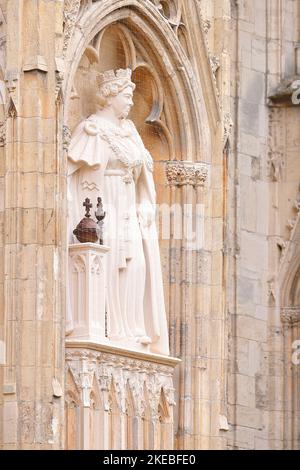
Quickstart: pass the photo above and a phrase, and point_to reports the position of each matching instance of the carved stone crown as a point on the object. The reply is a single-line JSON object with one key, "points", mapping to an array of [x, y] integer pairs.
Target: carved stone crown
{"points": [[112, 76]]}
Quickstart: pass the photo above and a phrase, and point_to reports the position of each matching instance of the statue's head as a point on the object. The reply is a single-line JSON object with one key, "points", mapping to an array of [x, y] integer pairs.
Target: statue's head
{"points": [[115, 90]]}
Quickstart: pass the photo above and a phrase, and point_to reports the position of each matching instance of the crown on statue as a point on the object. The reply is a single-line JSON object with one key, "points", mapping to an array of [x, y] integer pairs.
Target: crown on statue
{"points": [[112, 76]]}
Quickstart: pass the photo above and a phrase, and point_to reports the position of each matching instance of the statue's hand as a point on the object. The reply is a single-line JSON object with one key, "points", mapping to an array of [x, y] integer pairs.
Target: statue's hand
{"points": [[146, 214]]}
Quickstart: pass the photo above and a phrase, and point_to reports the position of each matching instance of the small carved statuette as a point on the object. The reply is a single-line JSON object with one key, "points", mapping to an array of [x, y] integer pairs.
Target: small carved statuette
{"points": [[87, 229]]}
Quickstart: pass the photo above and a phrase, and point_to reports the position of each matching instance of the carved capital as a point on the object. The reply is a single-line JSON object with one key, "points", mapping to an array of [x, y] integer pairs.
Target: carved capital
{"points": [[181, 173], [290, 315]]}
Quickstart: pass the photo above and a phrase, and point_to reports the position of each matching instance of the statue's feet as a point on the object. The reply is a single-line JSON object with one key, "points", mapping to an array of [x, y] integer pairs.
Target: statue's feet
{"points": [[145, 340]]}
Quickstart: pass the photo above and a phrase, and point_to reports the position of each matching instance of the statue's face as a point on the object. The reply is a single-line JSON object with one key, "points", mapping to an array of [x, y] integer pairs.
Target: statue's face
{"points": [[122, 103]]}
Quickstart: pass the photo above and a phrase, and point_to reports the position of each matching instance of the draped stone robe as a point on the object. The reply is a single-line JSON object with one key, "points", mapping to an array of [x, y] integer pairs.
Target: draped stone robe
{"points": [[111, 161]]}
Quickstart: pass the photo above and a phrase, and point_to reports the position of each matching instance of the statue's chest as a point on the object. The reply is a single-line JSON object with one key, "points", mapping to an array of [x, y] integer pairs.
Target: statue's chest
{"points": [[124, 152]]}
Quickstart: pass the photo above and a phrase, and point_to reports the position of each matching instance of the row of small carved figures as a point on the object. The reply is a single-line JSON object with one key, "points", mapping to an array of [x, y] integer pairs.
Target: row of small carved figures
{"points": [[89, 231]]}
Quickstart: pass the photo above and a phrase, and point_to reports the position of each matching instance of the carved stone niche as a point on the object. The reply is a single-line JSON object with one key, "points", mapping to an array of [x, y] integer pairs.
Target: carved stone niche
{"points": [[116, 399]]}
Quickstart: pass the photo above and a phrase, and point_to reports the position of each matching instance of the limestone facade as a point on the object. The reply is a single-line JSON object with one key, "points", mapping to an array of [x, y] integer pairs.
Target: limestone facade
{"points": [[216, 104]]}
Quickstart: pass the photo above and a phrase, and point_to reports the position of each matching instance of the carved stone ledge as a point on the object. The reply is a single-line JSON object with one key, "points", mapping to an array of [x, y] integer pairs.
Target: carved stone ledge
{"points": [[290, 315], [128, 385], [180, 173]]}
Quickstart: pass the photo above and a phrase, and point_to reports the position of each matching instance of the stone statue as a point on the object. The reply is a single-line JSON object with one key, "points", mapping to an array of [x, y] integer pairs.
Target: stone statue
{"points": [[107, 158]]}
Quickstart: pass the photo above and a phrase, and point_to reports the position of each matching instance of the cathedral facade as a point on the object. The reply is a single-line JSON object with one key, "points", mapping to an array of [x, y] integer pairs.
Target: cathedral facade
{"points": [[217, 106]]}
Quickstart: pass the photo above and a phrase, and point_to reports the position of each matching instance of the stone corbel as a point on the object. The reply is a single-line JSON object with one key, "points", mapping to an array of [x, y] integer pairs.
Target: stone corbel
{"points": [[59, 75], [11, 80], [180, 173]]}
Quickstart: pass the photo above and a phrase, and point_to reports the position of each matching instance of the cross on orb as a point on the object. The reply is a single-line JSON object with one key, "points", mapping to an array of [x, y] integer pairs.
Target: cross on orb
{"points": [[87, 204]]}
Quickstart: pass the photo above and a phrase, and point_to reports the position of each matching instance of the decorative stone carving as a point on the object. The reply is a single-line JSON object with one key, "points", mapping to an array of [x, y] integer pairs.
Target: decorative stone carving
{"points": [[130, 389], [11, 79], [58, 88], [228, 126], [272, 288], [66, 137], [206, 25], [282, 246], [181, 173], [296, 205], [290, 315], [214, 63], [71, 10], [276, 164], [111, 370], [2, 134], [171, 10], [291, 223]]}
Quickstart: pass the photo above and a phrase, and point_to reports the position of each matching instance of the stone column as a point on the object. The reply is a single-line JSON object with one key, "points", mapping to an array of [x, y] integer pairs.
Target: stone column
{"points": [[34, 232]]}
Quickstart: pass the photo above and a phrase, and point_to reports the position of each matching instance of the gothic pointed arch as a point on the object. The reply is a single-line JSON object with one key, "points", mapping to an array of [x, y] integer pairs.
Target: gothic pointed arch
{"points": [[141, 40]]}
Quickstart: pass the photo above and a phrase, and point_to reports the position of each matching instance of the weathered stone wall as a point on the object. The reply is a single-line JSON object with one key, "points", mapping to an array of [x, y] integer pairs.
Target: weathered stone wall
{"points": [[263, 183], [33, 235]]}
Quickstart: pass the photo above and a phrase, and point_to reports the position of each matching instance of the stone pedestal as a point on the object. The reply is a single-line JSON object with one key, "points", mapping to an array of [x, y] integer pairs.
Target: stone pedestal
{"points": [[87, 284], [118, 399]]}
